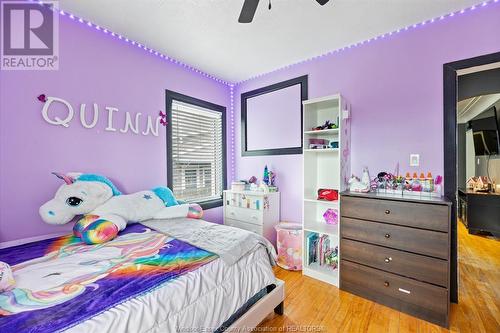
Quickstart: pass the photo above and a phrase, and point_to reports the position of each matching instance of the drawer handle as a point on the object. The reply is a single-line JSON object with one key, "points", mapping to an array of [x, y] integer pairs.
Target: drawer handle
{"points": [[255, 217], [232, 213], [387, 211], [387, 236], [388, 260], [386, 284]]}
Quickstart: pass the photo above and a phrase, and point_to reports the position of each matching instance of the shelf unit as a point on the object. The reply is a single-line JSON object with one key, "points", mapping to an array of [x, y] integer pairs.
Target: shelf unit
{"points": [[324, 150], [324, 168]]}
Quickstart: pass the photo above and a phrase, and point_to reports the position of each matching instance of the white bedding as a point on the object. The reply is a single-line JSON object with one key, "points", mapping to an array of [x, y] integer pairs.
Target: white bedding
{"points": [[199, 301], [229, 243]]}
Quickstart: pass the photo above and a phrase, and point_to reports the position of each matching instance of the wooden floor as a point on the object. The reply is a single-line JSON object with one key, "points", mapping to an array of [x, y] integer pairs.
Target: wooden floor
{"points": [[314, 306]]}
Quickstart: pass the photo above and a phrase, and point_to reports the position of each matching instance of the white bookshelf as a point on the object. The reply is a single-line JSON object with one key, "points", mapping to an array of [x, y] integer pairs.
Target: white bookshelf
{"points": [[324, 168]]}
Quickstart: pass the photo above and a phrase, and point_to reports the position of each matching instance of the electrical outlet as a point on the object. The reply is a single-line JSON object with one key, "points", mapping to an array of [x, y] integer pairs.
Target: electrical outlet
{"points": [[414, 160]]}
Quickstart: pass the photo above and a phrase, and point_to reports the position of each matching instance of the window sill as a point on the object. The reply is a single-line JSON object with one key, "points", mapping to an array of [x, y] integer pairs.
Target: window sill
{"points": [[211, 204]]}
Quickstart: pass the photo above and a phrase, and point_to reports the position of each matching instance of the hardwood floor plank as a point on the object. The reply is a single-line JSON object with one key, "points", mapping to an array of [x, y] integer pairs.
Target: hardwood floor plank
{"points": [[315, 306]]}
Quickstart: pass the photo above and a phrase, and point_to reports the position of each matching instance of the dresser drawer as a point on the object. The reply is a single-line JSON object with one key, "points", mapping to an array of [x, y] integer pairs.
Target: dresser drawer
{"points": [[408, 264], [431, 243], [417, 298], [425, 216], [243, 225], [244, 214]]}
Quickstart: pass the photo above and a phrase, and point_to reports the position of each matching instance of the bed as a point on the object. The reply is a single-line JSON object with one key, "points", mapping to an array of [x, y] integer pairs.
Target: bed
{"points": [[179, 275]]}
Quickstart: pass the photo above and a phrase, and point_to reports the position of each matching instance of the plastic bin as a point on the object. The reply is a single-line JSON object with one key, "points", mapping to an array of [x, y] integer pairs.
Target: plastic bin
{"points": [[289, 244]]}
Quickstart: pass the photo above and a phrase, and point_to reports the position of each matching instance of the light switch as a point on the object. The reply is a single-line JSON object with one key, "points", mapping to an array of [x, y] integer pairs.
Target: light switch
{"points": [[345, 114], [414, 160]]}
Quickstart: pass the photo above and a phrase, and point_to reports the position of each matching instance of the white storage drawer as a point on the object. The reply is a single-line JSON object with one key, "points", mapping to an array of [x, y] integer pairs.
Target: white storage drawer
{"points": [[246, 226], [245, 214], [253, 211]]}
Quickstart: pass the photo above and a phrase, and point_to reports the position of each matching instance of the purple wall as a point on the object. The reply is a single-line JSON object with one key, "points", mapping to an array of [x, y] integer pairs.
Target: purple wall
{"points": [[395, 87], [93, 68], [259, 116]]}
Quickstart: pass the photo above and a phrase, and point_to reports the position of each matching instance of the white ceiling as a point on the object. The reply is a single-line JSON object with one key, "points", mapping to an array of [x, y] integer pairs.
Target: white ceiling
{"points": [[206, 34], [470, 108]]}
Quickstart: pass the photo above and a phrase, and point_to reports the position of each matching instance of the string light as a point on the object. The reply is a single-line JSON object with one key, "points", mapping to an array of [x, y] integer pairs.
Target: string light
{"points": [[233, 85], [127, 40], [232, 135], [383, 36]]}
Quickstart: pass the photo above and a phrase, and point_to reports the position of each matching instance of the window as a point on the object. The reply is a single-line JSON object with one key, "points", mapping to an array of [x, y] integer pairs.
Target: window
{"points": [[196, 147]]}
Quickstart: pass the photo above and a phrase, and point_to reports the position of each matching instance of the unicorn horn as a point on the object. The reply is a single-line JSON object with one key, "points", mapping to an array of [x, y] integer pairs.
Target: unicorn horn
{"points": [[67, 179]]}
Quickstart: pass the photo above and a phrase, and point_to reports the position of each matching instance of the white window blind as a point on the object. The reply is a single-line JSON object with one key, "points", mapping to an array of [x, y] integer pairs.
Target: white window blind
{"points": [[197, 153]]}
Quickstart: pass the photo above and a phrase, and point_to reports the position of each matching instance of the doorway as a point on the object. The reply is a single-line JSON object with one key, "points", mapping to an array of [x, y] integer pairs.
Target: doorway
{"points": [[451, 73]]}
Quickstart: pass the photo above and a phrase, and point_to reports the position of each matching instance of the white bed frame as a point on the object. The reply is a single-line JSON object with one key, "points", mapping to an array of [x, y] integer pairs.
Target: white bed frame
{"points": [[273, 301]]}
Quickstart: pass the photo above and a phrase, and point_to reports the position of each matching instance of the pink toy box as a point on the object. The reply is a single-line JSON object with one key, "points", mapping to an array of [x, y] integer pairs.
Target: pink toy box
{"points": [[289, 243]]}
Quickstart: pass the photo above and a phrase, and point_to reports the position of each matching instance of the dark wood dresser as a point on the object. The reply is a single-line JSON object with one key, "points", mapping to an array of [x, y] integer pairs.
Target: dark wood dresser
{"points": [[395, 250]]}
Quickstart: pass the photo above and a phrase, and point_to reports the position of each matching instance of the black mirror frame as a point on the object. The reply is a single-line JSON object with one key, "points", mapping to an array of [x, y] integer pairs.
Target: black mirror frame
{"points": [[302, 80]]}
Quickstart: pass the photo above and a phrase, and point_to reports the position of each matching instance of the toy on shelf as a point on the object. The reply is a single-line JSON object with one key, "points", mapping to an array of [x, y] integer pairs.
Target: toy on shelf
{"points": [[268, 181], [265, 178], [360, 185], [328, 194], [479, 184], [331, 257], [326, 125], [252, 180], [272, 178], [414, 185], [331, 216], [315, 143], [238, 186]]}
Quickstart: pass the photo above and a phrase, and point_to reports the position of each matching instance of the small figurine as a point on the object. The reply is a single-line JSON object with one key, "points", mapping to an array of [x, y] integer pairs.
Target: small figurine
{"points": [[363, 185], [264, 187], [272, 178], [265, 179]]}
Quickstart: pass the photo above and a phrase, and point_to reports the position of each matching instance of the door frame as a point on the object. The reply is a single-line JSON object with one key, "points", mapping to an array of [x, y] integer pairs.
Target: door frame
{"points": [[450, 91]]}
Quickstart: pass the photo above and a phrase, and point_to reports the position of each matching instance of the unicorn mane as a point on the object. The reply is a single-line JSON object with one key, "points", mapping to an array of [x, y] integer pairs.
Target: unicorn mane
{"points": [[92, 177]]}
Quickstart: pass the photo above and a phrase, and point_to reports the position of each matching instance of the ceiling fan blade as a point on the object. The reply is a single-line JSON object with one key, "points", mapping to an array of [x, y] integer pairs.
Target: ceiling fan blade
{"points": [[322, 2], [248, 11]]}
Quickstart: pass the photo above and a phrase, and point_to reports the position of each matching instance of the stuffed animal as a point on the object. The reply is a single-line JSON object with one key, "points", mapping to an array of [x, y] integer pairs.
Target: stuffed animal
{"points": [[363, 185], [106, 210]]}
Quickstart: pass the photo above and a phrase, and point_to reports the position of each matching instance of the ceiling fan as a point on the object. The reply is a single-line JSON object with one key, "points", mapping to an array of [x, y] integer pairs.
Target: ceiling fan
{"points": [[250, 6]]}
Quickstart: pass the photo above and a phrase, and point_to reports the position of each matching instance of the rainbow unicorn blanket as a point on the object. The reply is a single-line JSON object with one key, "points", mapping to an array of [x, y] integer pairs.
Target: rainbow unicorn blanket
{"points": [[62, 282]]}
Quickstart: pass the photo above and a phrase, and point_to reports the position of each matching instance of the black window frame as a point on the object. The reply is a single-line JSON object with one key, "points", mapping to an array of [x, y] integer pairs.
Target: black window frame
{"points": [[170, 96]]}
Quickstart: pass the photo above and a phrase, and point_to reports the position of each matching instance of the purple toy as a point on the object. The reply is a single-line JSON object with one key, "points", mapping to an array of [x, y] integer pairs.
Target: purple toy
{"points": [[331, 216]]}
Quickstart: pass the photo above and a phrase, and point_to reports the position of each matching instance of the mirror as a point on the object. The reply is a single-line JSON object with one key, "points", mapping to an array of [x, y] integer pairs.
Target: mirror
{"points": [[271, 118]]}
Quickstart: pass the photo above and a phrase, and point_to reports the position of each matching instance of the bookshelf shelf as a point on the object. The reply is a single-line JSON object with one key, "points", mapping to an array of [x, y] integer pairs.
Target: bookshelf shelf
{"points": [[322, 228], [323, 132], [323, 202], [322, 273], [324, 150], [323, 168]]}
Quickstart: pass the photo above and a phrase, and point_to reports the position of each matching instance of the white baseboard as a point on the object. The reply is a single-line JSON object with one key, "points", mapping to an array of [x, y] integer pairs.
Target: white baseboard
{"points": [[21, 241]]}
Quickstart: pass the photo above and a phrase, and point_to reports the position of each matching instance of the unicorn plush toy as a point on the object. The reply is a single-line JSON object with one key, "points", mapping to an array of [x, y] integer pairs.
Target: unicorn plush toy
{"points": [[106, 210]]}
